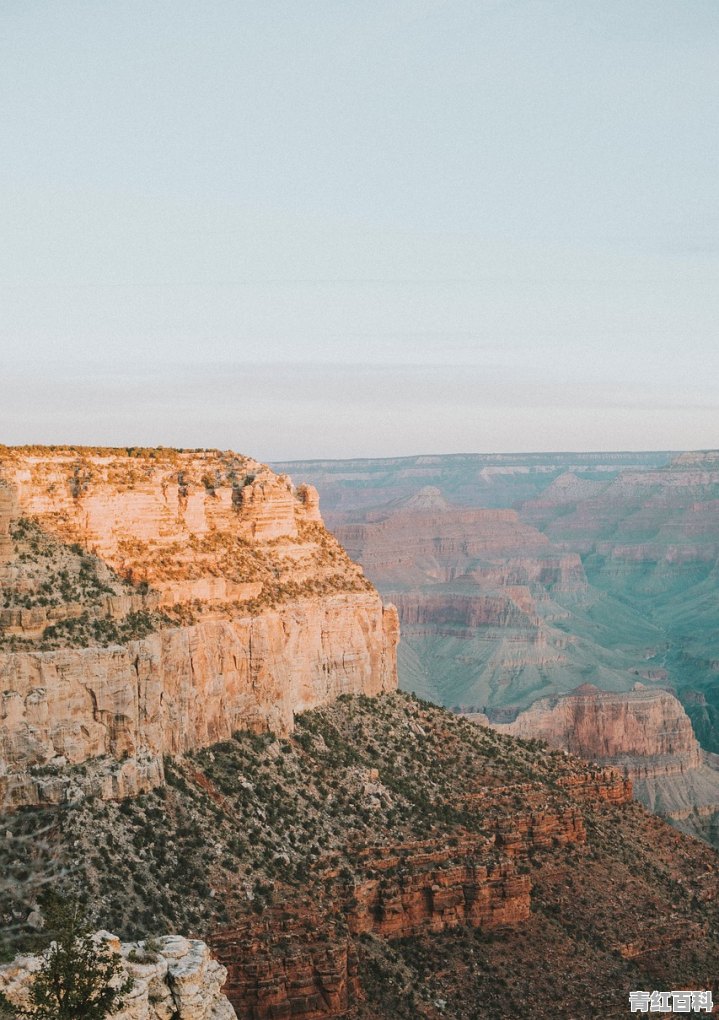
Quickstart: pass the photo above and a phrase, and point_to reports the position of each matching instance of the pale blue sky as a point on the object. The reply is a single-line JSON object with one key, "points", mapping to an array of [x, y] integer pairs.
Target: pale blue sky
{"points": [[315, 228]]}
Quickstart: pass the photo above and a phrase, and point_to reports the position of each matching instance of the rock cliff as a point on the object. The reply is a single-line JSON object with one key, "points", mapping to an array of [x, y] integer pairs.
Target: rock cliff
{"points": [[155, 602], [644, 732], [174, 978], [647, 731]]}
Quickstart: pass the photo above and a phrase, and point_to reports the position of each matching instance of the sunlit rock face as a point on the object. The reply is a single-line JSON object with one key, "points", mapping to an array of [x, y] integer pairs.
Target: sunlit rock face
{"points": [[644, 732], [156, 601]]}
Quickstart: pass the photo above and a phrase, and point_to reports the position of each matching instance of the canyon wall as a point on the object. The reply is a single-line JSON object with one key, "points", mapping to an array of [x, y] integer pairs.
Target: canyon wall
{"points": [[645, 733], [157, 601], [645, 730], [300, 962]]}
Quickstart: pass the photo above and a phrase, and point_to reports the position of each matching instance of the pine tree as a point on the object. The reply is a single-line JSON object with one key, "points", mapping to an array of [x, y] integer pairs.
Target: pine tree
{"points": [[80, 978]]}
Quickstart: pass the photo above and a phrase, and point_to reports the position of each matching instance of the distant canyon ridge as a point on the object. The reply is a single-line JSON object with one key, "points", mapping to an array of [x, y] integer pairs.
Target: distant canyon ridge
{"points": [[572, 597]]}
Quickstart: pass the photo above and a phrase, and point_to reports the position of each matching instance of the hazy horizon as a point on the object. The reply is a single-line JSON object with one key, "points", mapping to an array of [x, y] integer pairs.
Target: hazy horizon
{"points": [[322, 230]]}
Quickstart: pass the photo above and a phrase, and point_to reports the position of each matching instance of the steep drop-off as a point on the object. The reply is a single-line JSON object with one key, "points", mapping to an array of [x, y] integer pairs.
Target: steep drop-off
{"points": [[155, 601], [492, 613]]}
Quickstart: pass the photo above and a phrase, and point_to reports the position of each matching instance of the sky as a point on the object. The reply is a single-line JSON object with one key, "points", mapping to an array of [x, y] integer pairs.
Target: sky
{"points": [[344, 228]]}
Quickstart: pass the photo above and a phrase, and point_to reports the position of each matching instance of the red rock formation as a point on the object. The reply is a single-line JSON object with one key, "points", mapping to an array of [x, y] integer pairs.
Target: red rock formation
{"points": [[288, 967], [297, 963], [645, 730], [645, 733]]}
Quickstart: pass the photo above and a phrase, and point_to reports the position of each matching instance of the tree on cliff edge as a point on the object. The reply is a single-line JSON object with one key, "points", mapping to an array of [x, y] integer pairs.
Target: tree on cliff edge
{"points": [[80, 978]]}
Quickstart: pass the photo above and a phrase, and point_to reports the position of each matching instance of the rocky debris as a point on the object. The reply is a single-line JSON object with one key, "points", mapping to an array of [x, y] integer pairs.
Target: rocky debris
{"points": [[174, 978]]}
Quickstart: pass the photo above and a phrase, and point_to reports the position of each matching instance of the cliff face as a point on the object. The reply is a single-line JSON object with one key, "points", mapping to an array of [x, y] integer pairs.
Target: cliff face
{"points": [[7, 512], [155, 604], [644, 732]]}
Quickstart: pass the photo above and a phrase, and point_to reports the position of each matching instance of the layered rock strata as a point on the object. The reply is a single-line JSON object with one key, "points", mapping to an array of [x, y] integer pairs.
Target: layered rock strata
{"points": [[199, 594], [472, 586], [295, 963], [644, 732]]}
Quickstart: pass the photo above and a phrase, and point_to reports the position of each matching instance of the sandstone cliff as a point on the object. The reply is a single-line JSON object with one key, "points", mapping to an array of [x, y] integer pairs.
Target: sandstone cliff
{"points": [[644, 732], [176, 978], [156, 601]]}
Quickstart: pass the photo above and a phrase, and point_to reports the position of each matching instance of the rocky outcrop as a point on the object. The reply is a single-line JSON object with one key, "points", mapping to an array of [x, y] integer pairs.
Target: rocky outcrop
{"points": [[645, 733], [459, 614], [193, 525], [172, 977], [300, 962], [268, 616]]}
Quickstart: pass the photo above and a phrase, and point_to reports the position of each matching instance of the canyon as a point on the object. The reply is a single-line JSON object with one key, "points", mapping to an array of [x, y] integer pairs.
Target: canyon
{"points": [[386, 856], [521, 579], [201, 733]]}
